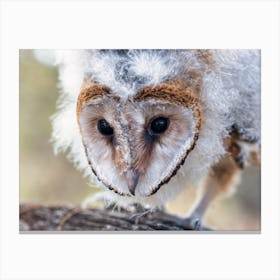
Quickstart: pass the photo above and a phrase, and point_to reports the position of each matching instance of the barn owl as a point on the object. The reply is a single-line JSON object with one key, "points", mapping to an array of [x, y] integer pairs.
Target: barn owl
{"points": [[145, 124]]}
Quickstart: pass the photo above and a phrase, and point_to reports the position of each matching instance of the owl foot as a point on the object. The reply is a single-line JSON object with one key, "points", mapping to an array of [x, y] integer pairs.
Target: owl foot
{"points": [[193, 222]]}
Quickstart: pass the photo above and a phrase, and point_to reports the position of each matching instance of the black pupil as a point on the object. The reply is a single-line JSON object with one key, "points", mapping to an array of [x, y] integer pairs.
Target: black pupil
{"points": [[159, 125], [104, 127]]}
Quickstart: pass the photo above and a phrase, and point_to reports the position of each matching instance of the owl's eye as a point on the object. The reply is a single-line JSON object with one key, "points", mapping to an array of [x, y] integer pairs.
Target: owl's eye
{"points": [[158, 125], [104, 128]]}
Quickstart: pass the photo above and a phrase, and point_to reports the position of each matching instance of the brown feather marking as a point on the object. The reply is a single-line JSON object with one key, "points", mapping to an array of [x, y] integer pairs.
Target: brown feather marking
{"points": [[174, 92], [90, 90], [171, 92], [232, 145]]}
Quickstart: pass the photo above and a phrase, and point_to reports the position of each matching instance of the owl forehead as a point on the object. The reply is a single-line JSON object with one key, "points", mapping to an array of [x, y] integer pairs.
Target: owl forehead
{"points": [[126, 71], [175, 92]]}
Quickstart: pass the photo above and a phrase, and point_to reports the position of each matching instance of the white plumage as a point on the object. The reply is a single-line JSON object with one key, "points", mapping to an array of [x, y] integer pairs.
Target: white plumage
{"points": [[226, 84]]}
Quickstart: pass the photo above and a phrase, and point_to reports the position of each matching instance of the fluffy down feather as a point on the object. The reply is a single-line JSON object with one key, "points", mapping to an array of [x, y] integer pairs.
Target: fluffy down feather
{"points": [[230, 94]]}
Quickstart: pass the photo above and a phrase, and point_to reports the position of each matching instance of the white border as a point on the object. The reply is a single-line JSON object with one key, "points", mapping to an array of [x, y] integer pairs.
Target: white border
{"points": [[158, 24]]}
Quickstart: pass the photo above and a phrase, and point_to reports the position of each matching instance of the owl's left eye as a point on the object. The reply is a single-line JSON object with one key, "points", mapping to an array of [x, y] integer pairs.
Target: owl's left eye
{"points": [[105, 128], [158, 125]]}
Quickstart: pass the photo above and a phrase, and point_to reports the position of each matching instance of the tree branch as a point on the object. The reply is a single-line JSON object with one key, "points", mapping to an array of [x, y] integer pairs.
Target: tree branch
{"points": [[71, 218]]}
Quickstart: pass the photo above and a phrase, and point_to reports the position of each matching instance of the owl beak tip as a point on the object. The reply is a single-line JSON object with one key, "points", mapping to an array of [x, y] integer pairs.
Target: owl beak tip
{"points": [[132, 178]]}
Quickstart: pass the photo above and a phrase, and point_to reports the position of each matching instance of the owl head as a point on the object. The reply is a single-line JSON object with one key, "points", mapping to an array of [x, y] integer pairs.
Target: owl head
{"points": [[136, 144], [138, 124]]}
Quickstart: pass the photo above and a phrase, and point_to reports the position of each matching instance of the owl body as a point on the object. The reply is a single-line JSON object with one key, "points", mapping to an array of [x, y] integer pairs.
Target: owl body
{"points": [[144, 124]]}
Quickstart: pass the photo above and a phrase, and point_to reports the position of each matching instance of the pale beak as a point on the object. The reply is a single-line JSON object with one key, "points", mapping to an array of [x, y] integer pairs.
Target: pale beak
{"points": [[132, 180]]}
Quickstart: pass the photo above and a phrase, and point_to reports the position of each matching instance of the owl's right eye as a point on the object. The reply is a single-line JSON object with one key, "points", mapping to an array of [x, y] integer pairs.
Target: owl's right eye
{"points": [[104, 128]]}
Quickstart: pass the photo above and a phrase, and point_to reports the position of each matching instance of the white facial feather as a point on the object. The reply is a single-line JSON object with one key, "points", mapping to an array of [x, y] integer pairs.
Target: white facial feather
{"points": [[230, 95], [129, 143]]}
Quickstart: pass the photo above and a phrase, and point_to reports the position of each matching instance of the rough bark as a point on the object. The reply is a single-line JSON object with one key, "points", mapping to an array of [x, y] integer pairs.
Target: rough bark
{"points": [[72, 218]]}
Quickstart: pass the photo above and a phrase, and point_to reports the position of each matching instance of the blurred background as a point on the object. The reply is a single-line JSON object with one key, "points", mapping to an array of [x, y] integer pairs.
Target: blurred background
{"points": [[49, 179]]}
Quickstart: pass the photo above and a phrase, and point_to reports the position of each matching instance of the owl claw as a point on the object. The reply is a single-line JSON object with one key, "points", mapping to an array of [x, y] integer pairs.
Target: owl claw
{"points": [[196, 222], [193, 223]]}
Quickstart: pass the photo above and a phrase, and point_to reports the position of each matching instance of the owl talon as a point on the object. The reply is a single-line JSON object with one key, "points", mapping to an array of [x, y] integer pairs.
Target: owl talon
{"points": [[193, 223], [189, 223], [197, 224]]}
